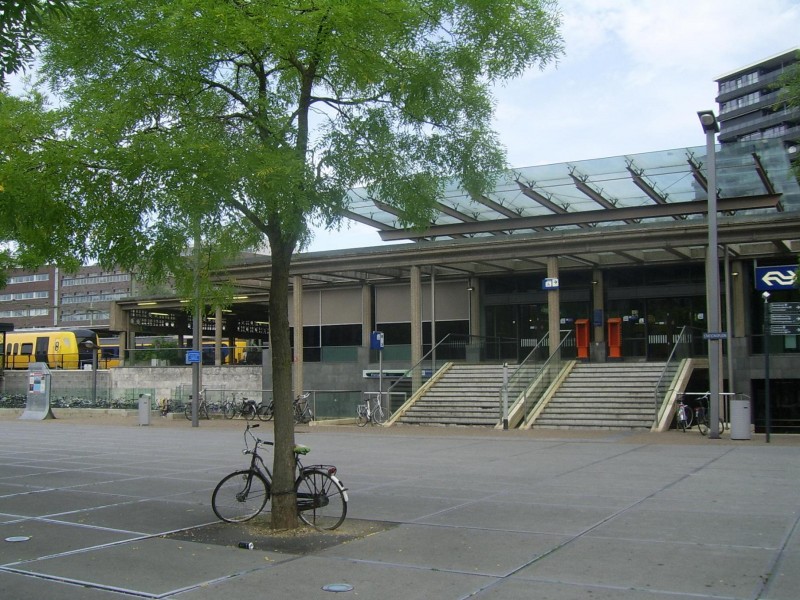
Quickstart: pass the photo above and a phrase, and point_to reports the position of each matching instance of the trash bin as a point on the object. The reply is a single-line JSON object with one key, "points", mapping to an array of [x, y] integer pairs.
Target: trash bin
{"points": [[144, 409], [740, 419]]}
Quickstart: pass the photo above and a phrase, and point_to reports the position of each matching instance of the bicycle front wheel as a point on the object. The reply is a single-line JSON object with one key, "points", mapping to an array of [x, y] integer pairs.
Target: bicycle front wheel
{"points": [[188, 411], [240, 496], [702, 425], [230, 410], [249, 412], [361, 416], [378, 415], [321, 499]]}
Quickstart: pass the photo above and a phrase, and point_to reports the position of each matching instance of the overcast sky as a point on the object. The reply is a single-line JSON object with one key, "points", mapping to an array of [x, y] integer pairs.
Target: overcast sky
{"points": [[633, 76]]}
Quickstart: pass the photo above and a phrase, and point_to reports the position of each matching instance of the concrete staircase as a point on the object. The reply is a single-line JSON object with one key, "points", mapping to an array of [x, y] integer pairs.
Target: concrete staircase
{"points": [[464, 395], [604, 396]]}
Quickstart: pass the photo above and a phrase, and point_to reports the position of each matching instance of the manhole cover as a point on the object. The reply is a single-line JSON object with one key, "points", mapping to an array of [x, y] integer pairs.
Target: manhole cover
{"points": [[338, 587], [18, 538]]}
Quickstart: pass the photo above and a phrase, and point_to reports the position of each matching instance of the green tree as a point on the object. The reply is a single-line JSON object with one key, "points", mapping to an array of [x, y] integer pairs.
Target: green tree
{"points": [[20, 21], [249, 119], [38, 222]]}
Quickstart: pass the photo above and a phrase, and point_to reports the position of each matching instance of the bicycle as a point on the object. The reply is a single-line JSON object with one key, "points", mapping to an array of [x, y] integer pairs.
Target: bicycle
{"points": [[301, 409], [684, 416], [202, 407], [240, 496], [370, 412], [247, 409], [701, 416]]}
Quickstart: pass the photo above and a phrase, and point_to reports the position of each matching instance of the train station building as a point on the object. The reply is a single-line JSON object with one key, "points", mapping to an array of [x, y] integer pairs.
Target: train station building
{"points": [[603, 260]]}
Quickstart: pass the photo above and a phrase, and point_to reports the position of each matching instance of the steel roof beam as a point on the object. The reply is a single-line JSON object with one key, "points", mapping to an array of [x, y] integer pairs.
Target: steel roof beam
{"points": [[626, 214]]}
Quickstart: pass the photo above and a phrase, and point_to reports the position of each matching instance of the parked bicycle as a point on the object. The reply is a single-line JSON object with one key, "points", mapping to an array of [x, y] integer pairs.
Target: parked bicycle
{"points": [[301, 409], [370, 411], [702, 415], [202, 407], [684, 415], [240, 496], [246, 408]]}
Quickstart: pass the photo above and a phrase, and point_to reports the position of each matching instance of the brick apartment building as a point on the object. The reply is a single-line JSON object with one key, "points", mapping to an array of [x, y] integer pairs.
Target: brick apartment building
{"points": [[48, 297]]}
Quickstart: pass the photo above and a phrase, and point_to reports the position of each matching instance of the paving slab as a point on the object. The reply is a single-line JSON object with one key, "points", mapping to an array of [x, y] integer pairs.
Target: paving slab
{"points": [[152, 567], [462, 550], [48, 538], [522, 517], [144, 516], [307, 576], [699, 527], [21, 586], [517, 589], [784, 584], [701, 569], [55, 502]]}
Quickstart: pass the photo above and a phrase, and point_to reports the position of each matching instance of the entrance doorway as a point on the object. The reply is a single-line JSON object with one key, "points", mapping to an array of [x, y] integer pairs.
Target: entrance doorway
{"points": [[650, 326]]}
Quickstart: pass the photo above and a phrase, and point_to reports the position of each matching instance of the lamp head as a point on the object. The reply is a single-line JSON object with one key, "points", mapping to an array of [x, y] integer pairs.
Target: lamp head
{"points": [[765, 296], [708, 120]]}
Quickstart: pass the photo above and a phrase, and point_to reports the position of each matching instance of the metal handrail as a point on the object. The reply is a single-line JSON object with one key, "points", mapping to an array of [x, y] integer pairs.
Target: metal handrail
{"points": [[526, 388], [658, 395], [417, 364]]}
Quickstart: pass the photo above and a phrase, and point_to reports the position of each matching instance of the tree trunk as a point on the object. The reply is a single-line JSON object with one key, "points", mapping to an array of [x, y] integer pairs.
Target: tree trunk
{"points": [[284, 502]]}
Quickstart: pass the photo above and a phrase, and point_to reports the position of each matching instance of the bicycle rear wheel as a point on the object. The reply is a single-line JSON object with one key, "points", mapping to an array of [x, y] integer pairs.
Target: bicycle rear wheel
{"points": [[240, 496], [321, 499], [249, 412], [264, 412]]}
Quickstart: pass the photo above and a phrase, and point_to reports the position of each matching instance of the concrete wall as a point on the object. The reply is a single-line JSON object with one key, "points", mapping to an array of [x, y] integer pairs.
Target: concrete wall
{"points": [[173, 381]]}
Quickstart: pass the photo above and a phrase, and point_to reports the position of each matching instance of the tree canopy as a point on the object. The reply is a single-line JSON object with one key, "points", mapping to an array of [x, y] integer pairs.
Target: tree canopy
{"points": [[19, 31], [244, 120]]}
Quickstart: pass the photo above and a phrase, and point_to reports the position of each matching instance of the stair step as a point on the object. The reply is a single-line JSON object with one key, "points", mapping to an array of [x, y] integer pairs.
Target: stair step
{"points": [[594, 396]]}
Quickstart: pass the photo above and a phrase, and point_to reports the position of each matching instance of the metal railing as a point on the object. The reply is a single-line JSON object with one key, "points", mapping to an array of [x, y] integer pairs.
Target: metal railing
{"points": [[417, 372], [681, 349], [533, 377]]}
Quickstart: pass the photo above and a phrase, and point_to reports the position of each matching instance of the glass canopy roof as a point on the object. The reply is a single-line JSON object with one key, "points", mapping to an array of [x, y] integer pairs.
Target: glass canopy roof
{"points": [[589, 193]]}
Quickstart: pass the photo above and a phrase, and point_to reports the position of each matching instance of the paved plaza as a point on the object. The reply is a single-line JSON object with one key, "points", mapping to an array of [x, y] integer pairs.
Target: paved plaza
{"points": [[106, 509]]}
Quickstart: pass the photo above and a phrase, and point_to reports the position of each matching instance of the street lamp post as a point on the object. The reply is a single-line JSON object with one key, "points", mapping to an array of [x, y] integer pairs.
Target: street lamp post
{"points": [[90, 345], [711, 127], [767, 415]]}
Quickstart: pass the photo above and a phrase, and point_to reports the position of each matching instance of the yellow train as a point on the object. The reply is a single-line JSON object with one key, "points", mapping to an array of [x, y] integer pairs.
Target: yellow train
{"points": [[59, 348], [167, 347]]}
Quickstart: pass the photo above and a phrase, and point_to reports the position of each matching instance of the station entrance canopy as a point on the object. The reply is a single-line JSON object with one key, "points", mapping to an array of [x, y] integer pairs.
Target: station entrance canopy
{"points": [[662, 185]]}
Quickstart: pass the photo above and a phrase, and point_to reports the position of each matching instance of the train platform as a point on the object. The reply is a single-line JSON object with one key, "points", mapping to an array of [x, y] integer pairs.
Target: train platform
{"points": [[103, 508]]}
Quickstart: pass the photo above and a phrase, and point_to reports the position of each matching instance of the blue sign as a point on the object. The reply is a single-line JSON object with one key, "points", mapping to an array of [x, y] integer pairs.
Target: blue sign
{"points": [[776, 278], [550, 283], [715, 335], [376, 340], [193, 356]]}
